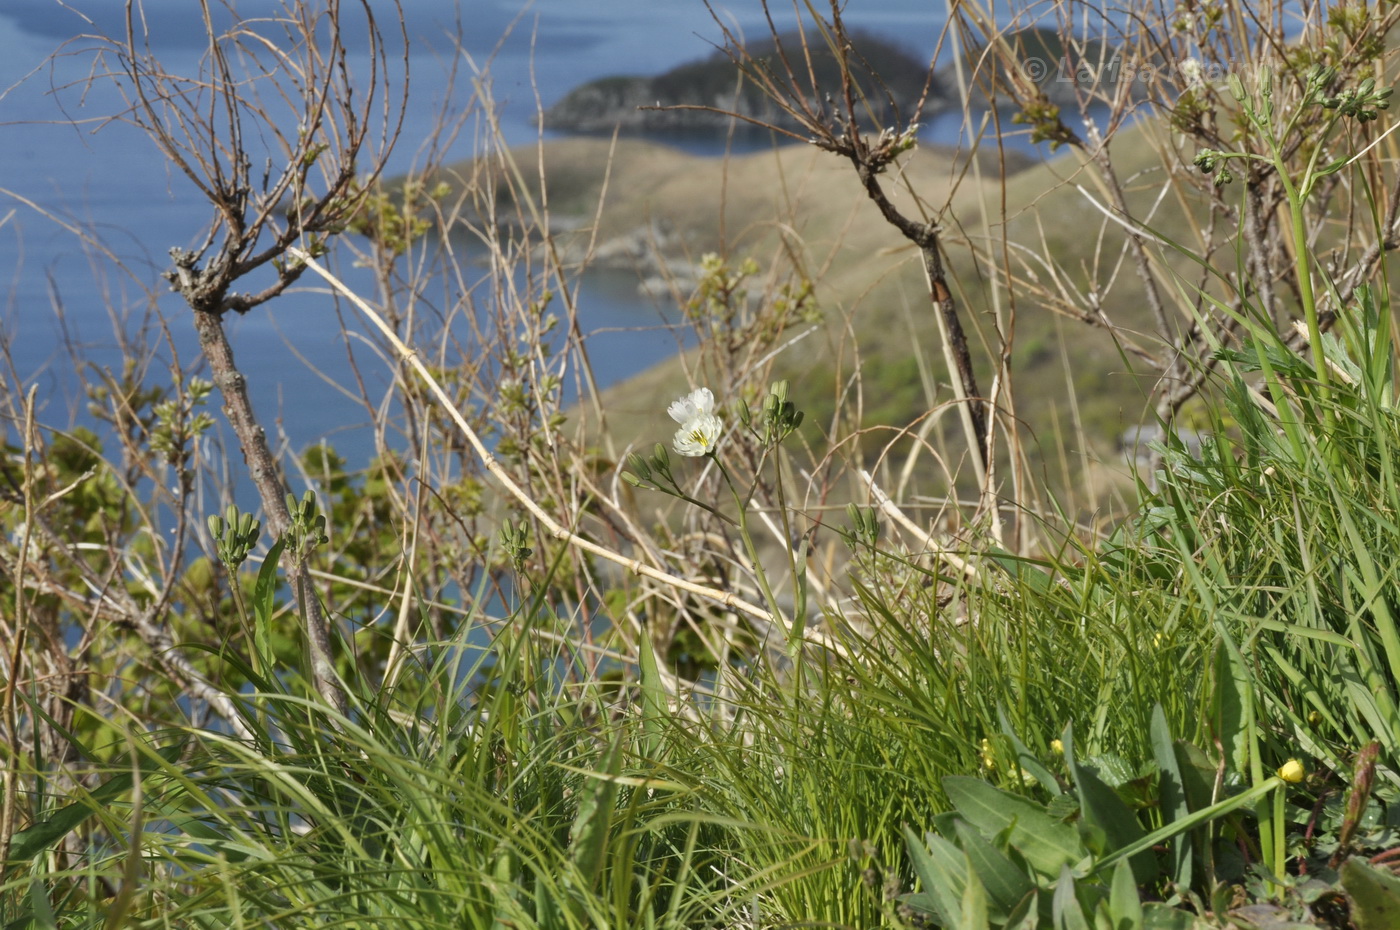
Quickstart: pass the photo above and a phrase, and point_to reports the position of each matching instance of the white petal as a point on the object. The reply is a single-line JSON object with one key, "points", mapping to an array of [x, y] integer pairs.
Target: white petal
{"points": [[681, 410], [703, 400], [698, 436], [699, 402]]}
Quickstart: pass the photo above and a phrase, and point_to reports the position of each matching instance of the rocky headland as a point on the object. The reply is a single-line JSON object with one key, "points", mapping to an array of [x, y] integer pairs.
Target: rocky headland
{"points": [[697, 96]]}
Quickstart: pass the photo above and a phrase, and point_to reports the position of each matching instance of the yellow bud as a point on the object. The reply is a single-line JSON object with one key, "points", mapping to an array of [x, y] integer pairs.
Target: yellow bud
{"points": [[1057, 747], [1291, 771], [1314, 718]]}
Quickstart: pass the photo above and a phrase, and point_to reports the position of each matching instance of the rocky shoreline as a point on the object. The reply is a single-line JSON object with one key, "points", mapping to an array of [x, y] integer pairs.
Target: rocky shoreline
{"points": [[662, 245], [656, 251]]}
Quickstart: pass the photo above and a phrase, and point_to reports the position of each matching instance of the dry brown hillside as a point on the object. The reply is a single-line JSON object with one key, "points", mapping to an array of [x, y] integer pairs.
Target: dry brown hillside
{"points": [[658, 210]]}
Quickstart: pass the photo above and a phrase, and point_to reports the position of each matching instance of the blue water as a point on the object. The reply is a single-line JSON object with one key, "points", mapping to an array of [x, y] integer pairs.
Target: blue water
{"points": [[65, 162]]}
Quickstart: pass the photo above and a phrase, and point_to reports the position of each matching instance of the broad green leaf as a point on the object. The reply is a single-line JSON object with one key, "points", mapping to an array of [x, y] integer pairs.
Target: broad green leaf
{"points": [[1171, 794], [1028, 916], [942, 869], [974, 906], [1374, 894], [1230, 710], [1006, 884], [1189, 822], [1158, 916], [920, 903], [1124, 905], [654, 707], [1113, 770], [1197, 774], [505, 890], [946, 823], [1103, 809], [43, 917], [1063, 807], [265, 606], [588, 838], [1069, 914], [1045, 843], [1033, 573]]}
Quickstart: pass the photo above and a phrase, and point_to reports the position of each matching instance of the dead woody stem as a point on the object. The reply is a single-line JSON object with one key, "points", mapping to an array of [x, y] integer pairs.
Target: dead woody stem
{"points": [[311, 184], [833, 123]]}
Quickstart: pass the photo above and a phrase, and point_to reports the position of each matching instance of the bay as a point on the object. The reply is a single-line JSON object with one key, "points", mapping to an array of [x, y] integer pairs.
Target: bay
{"points": [[66, 165]]}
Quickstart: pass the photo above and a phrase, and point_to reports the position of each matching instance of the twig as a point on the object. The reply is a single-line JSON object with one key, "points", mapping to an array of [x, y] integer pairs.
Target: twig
{"points": [[557, 530]]}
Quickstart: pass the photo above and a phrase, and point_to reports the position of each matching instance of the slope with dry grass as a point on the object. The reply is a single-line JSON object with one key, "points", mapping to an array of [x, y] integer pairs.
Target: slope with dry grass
{"points": [[802, 213]]}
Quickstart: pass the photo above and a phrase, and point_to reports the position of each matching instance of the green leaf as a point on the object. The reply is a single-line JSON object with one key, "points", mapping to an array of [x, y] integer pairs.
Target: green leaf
{"points": [[1033, 573], [1112, 770], [1374, 894], [942, 869], [1028, 916], [946, 823], [1063, 807], [265, 605], [1171, 794], [1045, 843], [1197, 774], [654, 707], [506, 890], [1230, 711], [1124, 905], [974, 906], [921, 903], [1025, 758], [29, 843], [1103, 809], [1007, 886], [43, 916], [1158, 916], [1219, 809], [1069, 915], [588, 838]]}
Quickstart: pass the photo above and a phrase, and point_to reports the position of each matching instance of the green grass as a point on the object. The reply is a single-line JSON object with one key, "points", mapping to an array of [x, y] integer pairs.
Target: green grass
{"points": [[502, 783]]}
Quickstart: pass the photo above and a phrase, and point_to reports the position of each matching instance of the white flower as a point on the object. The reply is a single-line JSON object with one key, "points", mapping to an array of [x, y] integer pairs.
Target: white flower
{"points": [[1193, 72], [698, 437], [700, 427], [699, 402]]}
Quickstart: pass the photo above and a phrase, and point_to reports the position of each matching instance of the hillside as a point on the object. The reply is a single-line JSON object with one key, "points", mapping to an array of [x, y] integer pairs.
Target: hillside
{"points": [[798, 205]]}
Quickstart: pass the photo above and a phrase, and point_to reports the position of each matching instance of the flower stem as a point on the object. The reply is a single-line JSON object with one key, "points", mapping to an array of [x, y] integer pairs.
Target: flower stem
{"points": [[749, 547]]}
